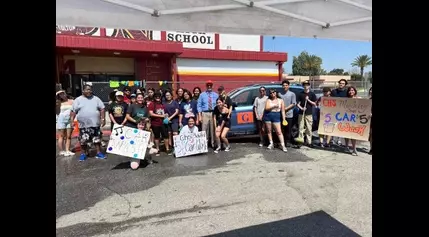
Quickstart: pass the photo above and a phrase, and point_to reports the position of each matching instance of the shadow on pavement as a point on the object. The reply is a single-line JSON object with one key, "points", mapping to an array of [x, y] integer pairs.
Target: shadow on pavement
{"points": [[317, 224]]}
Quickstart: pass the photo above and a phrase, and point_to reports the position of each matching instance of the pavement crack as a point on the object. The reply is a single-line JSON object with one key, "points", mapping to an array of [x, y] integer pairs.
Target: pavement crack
{"points": [[120, 195]]}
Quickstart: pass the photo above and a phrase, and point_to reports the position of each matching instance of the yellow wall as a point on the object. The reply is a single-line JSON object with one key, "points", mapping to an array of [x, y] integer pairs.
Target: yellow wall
{"points": [[110, 65]]}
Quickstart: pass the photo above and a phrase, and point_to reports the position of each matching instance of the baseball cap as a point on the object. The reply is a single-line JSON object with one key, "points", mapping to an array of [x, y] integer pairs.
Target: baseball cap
{"points": [[119, 93], [59, 92], [221, 88], [133, 95], [209, 82]]}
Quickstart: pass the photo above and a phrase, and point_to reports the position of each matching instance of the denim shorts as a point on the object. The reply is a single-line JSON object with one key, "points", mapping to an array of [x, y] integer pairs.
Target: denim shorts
{"points": [[272, 117]]}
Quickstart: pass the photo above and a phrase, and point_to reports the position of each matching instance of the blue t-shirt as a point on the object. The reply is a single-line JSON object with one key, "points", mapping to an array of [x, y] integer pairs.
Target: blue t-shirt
{"points": [[170, 108], [188, 109]]}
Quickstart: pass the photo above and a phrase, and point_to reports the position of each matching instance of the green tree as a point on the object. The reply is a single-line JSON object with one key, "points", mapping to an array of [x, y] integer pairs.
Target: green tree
{"points": [[336, 71], [362, 61], [306, 64]]}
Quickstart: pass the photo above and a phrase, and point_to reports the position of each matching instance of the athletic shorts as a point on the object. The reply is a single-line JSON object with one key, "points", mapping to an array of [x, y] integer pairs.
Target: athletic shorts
{"points": [[89, 135], [272, 117], [159, 131]]}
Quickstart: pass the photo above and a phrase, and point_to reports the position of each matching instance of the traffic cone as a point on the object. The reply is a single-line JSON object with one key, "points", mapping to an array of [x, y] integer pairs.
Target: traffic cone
{"points": [[75, 133]]}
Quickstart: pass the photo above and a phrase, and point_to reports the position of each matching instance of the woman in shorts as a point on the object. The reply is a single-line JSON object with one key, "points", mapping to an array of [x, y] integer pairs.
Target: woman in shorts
{"points": [[64, 123], [223, 124], [274, 115]]}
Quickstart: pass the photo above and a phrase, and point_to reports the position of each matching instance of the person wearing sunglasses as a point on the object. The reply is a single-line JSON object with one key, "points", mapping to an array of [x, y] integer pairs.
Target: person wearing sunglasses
{"points": [[274, 114], [259, 108]]}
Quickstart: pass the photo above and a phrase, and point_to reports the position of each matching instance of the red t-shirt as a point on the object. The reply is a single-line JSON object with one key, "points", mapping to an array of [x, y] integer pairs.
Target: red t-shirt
{"points": [[127, 100], [156, 108]]}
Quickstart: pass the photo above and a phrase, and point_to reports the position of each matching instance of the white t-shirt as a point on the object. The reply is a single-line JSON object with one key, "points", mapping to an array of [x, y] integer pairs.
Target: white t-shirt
{"points": [[186, 130]]}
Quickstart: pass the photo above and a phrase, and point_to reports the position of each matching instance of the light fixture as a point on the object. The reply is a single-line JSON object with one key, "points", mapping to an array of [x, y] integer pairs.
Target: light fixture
{"points": [[116, 53], [75, 51]]}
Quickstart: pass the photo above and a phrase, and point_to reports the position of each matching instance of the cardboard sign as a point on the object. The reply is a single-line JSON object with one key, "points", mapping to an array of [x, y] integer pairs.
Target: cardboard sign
{"points": [[126, 141], [190, 144], [345, 117]]}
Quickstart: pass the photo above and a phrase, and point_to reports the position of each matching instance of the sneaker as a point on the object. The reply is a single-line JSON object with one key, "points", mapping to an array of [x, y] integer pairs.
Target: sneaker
{"points": [[228, 148], [68, 153], [61, 153], [261, 144], [271, 146], [349, 150], [217, 149], [170, 152], [158, 153], [299, 140], [284, 149], [354, 153], [82, 157], [100, 156]]}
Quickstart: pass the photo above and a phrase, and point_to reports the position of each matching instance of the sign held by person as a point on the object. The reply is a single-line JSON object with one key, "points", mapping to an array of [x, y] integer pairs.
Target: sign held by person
{"points": [[345, 117], [190, 144], [130, 142]]}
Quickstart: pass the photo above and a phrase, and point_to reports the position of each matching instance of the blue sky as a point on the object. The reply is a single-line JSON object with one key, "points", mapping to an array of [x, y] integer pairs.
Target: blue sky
{"points": [[334, 53]]}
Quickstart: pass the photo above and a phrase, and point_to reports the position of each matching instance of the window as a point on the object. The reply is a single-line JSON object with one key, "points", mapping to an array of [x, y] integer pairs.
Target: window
{"points": [[242, 99]]}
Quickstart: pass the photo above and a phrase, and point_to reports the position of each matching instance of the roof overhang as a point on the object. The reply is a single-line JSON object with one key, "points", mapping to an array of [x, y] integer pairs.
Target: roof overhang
{"points": [[339, 19], [111, 44]]}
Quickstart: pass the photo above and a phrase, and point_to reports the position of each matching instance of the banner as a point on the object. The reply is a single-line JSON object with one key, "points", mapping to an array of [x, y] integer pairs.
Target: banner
{"points": [[190, 144], [126, 141], [345, 117]]}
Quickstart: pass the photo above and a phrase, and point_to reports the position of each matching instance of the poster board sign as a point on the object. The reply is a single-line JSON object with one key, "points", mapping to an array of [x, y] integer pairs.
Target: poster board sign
{"points": [[190, 144], [126, 141], [345, 117]]}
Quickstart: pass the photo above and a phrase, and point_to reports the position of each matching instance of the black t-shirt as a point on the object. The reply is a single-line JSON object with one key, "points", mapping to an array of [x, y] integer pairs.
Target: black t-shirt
{"points": [[118, 111], [137, 112], [219, 115], [339, 93], [301, 101]]}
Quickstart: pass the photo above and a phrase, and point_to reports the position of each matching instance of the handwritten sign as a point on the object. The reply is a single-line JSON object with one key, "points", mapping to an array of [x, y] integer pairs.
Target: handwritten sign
{"points": [[190, 144], [126, 141], [244, 117], [345, 117]]}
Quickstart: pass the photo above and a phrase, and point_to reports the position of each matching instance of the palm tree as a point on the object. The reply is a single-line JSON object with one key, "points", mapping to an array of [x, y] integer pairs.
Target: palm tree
{"points": [[362, 61], [311, 64]]}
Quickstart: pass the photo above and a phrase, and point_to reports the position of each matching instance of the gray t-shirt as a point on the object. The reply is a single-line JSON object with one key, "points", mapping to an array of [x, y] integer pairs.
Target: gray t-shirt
{"points": [[259, 104], [88, 111], [288, 98]]}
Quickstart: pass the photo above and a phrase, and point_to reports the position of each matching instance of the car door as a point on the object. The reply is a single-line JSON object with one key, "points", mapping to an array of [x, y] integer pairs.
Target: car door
{"points": [[242, 116]]}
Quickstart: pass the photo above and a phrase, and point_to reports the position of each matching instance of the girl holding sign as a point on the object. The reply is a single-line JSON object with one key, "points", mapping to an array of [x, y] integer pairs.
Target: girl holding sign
{"points": [[190, 128], [325, 140], [223, 124], [351, 93]]}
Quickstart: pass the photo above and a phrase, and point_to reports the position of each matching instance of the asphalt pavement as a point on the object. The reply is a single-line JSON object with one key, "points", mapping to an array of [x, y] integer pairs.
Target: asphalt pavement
{"points": [[249, 191]]}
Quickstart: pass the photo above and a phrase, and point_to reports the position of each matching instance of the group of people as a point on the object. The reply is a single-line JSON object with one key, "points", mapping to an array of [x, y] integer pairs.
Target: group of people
{"points": [[159, 112], [165, 115], [275, 111]]}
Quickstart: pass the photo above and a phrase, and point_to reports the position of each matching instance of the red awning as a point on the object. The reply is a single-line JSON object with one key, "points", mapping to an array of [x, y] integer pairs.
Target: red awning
{"points": [[100, 43]]}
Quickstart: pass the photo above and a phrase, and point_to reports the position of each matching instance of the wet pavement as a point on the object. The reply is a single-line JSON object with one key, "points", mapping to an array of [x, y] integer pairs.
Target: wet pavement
{"points": [[212, 193]]}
